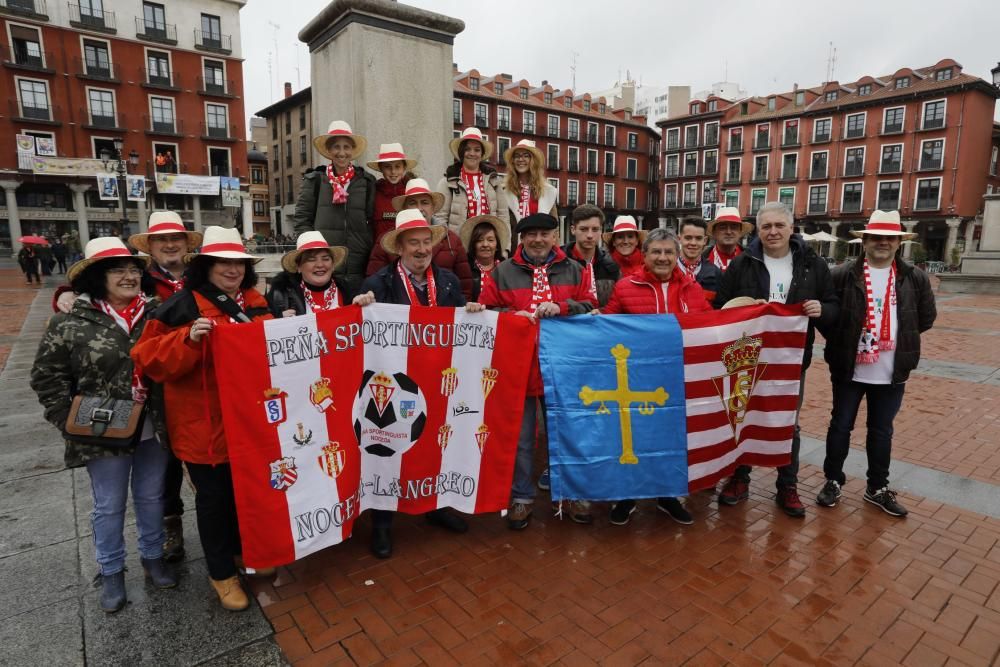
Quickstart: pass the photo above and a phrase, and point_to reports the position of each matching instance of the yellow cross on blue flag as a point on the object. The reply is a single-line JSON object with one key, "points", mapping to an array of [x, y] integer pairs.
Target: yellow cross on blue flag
{"points": [[615, 404]]}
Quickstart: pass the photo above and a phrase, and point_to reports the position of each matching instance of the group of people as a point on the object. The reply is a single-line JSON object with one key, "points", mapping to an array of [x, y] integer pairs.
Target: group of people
{"points": [[37, 260], [132, 330]]}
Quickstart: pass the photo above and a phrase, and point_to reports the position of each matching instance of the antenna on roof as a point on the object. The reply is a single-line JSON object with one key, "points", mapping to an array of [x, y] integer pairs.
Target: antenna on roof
{"points": [[572, 69], [277, 62], [831, 62]]}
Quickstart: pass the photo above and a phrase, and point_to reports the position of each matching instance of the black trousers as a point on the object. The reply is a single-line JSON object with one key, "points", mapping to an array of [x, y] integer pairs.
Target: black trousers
{"points": [[884, 401], [172, 503], [218, 528]]}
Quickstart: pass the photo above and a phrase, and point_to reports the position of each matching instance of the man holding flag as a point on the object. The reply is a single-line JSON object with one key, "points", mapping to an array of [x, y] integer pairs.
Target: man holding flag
{"points": [[413, 279], [538, 281], [885, 304], [778, 266]]}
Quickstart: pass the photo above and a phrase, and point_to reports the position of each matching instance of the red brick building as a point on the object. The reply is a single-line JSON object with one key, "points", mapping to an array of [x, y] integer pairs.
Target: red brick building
{"points": [[919, 140], [164, 77], [594, 154]]}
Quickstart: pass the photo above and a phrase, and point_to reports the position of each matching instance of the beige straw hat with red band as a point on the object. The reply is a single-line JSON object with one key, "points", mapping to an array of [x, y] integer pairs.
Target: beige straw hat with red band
{"points": [[414, 187], [884, 223], [471, 134], [164, 222], [311, 241], [391, 153], [100, 249], [409, 220], [339, 128], [223, 243], [624, 223], [730, 214]]}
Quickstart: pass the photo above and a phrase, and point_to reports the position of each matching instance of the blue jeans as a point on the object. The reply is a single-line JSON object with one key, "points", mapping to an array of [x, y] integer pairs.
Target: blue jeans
{"points": [[884, 401], [109, 482], [523, 488]]}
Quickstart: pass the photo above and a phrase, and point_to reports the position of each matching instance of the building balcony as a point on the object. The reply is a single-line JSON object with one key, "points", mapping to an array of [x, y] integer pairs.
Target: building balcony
{"points": [[710, 170], [732, 180], [711, 140], [503, 125], [929, 124], [735, 147], [890, 168], [853, 171], [160, 81], [553, 132], [20, 59], [818, 175], [214, 42], [672, 174], [219, 133], [482, 122], [215, 88], [790, 140], [92, 19], [592, 137], [690, 171], [151, 31], [855, 133], [92, 119], [851, 207], [670, 204], [163, 128], [109, 73], [572, 136], [593, 171], [761, 146], [689, 204], [822, 138], [931, 165], [891, 128], [926, 204], [672, 146], [788, 177], [610, 173], [29, 9], [48, 115], [816, 209], [527, 129], [759, 178], [573, 167]]}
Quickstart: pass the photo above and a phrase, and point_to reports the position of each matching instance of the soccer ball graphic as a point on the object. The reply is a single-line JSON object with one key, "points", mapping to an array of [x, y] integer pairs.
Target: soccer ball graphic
{"points": [[389, 413]]}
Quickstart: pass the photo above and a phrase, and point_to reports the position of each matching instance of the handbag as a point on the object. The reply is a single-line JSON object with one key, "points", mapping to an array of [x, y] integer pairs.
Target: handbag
{"points": [[99, 420]]}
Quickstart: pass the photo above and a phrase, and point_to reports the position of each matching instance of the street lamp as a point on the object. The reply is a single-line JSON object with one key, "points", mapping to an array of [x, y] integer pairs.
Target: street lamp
{"points": [[116, 164], [996, 75]]}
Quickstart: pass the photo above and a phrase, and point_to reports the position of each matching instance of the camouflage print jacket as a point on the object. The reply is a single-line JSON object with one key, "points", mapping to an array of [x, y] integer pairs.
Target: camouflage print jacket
{"points": [[85, 352]]}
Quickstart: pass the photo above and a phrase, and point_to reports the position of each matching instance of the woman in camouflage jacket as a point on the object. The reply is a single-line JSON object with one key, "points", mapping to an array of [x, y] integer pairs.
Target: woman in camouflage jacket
{"points": [[86, 351]]}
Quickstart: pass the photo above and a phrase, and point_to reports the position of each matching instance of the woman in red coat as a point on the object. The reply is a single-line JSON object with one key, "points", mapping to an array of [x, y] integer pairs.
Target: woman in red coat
{"points": [[174, 351], [659, 287], [623, 242], [396, 170]]}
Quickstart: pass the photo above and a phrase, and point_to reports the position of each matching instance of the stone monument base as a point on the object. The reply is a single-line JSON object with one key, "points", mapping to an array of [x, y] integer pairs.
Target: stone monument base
{"points": [[969, 283]]}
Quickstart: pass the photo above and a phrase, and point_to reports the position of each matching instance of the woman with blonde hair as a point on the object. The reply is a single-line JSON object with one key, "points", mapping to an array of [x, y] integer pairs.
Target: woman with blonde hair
{"points": [[525, 189]]}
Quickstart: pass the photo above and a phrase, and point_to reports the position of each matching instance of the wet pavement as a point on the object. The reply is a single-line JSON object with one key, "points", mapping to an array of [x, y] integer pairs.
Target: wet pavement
{"points": [[744, 585]]}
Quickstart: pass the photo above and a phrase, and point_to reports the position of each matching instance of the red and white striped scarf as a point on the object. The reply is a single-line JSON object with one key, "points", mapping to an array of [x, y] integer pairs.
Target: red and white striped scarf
{"points": [[411, 291], [475, 189], [527, 204], [869, 346], [721, 259], [339, 183], [329, 297], [541, 291], [241, 301], [127, 318], [691, 268]]}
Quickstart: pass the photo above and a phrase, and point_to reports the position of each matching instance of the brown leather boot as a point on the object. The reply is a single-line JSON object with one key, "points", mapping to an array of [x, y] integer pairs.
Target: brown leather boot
{"points": [[231, 593], [173, 543]]}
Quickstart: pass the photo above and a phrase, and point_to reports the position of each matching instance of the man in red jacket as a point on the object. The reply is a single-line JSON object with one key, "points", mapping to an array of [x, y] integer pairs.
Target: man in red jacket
{"points": [[538, 281], [661, 287]]}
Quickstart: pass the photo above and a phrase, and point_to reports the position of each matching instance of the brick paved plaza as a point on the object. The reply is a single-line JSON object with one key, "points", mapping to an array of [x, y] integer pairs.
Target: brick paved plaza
{"points": [[743, 586]]}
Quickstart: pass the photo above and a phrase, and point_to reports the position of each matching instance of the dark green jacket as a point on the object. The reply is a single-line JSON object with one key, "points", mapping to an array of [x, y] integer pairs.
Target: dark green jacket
{"points": [[85, 352], [341, 224]]}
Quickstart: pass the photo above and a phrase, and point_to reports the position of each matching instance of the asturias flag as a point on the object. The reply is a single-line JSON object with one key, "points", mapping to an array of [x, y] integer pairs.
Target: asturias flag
{"points": [[385, 407], [641, 406]]}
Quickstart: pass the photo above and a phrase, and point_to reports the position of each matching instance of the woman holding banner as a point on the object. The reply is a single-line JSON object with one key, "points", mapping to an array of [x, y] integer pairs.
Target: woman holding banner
{"points": [[174, 350]]}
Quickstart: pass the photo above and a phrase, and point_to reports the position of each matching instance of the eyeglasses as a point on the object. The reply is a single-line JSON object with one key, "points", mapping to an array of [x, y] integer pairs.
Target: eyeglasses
{"points": [[125, 271]]}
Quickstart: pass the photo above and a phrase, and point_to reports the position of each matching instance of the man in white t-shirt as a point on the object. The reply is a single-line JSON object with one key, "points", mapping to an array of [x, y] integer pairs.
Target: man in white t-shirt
{"points": [[779, 266], [885, 304]]}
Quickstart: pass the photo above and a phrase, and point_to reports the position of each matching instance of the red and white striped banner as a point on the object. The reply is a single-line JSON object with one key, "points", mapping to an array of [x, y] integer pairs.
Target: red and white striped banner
{"points": [[386, 407], [741, 379]]}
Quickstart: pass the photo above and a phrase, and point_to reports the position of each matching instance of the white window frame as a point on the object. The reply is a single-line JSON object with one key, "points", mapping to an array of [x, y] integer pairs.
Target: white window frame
{"points": [[795, 193], [843, 193], [500, 149], [994, 156], [878, 192], [666, 165], [864, 159], [548, 121], [628, 161], [697, 135], [48, 94], [920, 154], [208, 157], [923, 114], [525, 114], [756, 127], [886, 111], [226, 106], [597, 130], [510, 117], [630, 142], [608, 202], [586, 192], [798, 125], [816, 122], [916, 191], [145, 61], [614, 135], [702, 190], [678, 142], [554, 167], [826, 205], [718, 131], [781, 173], [684, 164], [83, 52], [767, 167], [811, 154], [475, 108], [735, 131], [38, 133], [569, 156], [666, 188], [173, 104], [684, 191], [177, 147], [225, 72], [635, 199], [902, 154], [864, 124], [740, 170], [597, 161], [460, 110], [569, 128], [114, 101], [554, 182], [41, 41], [569, 183], [753, 190], [725, 198], [614, 165]]}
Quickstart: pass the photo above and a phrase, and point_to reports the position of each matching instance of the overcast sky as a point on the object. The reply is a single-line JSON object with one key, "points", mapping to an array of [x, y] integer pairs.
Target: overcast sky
{"points": [[765, 45]]}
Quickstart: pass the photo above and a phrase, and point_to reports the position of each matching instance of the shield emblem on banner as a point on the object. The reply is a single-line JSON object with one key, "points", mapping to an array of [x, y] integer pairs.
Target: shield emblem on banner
{"points": [[274, 406]]}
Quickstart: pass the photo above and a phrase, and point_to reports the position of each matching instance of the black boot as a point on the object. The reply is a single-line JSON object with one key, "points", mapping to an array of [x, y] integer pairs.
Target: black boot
{"points": [[159, 573], [447, 520], [113, 592], [173, 544], [382, 539]]}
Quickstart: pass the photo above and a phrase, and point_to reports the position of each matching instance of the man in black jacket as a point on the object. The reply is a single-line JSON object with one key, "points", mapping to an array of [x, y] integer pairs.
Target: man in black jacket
{"points": [[413, 279], [885, 304], [778, 266], [586, 227], [693, 236]]}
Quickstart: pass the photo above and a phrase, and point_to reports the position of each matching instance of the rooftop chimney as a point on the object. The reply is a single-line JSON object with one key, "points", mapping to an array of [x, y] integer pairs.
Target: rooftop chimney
{"points": [[288, 89]]}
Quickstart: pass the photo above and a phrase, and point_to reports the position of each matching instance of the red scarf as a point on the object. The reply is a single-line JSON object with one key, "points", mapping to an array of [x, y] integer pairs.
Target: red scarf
{"points": [[411, 291], [475, 189], [690, 268], [630, 264], [528, 205], [339, 183], [721, 259], [869, 346], [575, 253], [318, 300], [165, 276], [127, 318]]}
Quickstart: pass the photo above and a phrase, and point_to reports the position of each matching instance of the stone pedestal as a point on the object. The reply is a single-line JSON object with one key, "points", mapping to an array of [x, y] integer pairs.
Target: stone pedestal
{"points": [[80, 203], [386, 69], [980, 269], [196, 212], [911, 226], [13, 216]]}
